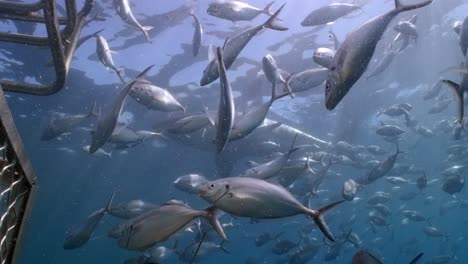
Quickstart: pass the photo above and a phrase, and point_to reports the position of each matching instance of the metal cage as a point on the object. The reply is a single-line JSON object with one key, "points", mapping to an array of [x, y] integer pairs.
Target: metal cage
{"points": [[16, 185]]}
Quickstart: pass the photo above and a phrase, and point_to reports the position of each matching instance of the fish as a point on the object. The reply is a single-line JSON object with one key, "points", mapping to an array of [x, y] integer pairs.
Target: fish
{"points": [[61, 123], [381, 169], [363, 257], [189, 183], [389, 131], [131, 209], [264, 238], [125, 12], [349, 190], [328, 14], [256, 198], [107, 122], [459, 90], [356, 51], [453, 184], [284, 246], [248, 122], [159, 224], [307, 79], [378, 198], [98, 153], [271, 168], [198, 251], [434, 91], [105, 56], [464, 36], [125, 137], [393, 111], [236, 10], [383, 64], [324, 57], [155, 97], [273, 73], [234, 45], [78, 235], [406, 28], [197, 35], [226, 107], [188, 124]]}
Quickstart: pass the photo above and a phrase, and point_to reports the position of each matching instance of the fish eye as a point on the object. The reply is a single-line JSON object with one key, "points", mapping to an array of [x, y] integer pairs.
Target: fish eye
{"points": [[327, 87], [333, 68], [227, 186], [211, 187]]}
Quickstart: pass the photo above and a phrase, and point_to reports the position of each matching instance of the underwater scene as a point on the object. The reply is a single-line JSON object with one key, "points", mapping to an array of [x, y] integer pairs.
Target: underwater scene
{"points": [[252, 131]]}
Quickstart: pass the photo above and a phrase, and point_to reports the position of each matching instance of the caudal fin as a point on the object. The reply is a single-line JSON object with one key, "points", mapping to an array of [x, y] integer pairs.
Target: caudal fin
{"points": [[270, 23], [318, 214], [459, 93], [145, 30], [401, 8], [214, 222], [267, 10]]}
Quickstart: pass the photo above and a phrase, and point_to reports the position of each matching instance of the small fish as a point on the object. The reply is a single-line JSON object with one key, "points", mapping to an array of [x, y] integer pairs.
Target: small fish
{"points": [[354, 54], [188, 124], [236, 10], [196, 252], [273, 73], [363, 257], [105, 56], [197, 35], [258, 199], [125, 12], [77, 236], [328, 14], [433, 91], [307, 79], [389, 131], [107, 122], [324, 57], [349, 190], [234, 46], [264, 238]]}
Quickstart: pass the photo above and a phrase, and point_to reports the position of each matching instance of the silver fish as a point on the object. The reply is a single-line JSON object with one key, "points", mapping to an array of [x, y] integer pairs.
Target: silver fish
{"points": [[107, 122], [350, 188], [200, 251], [389, 131], [154, 97], [123, 9], [188, 124], [99, 153], [236, 10], [77, 236], [131, 209], [159, 224], [189, 183], [273, 73], [255, 198], [328, 14], [247, 123], [464, 36], [324, 57], [383, 64], [234, 46], [226, 107], [355, 53], [61, 123], [197, 35], [307, 79], [105, 56], [271, 168], [433, 91]]}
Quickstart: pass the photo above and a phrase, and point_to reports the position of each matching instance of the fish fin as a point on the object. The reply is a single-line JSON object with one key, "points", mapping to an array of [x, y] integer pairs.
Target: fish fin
{"points": [[415, 259], [143, 73], [221, 246], [225, 42], [459, 92], [94, 110], [209, 116], [317, 215], [109, 203], [213, 220], [211, 53], [399, 7], [270, 23], [198, 248], [288, 86], [413, 19], [252, 163], [147, 28], [119, 72], [267, 10], [292, 148]]}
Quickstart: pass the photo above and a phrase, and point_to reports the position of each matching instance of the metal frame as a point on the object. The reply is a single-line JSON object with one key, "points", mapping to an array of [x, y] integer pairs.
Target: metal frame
{"points": [[19, 194], [62, 43]]}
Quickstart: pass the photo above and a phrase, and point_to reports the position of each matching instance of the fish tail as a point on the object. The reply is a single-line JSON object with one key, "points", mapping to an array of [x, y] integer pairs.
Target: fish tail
{"points": [[270, 23], [119, 72], [109, 203], [287, 83], [415, 259], [459, 92], [210, 215], [317, 215], [399, 7], [267, 10], [223, 248], [145, 30]]}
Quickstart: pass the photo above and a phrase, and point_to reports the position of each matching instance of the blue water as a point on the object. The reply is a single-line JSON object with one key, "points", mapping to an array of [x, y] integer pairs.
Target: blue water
{"points": [[72, 184]]}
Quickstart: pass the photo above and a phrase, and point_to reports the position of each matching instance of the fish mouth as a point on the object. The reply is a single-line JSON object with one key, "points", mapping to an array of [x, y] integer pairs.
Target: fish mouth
{"points": [[201, 192], [330, 105]]}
